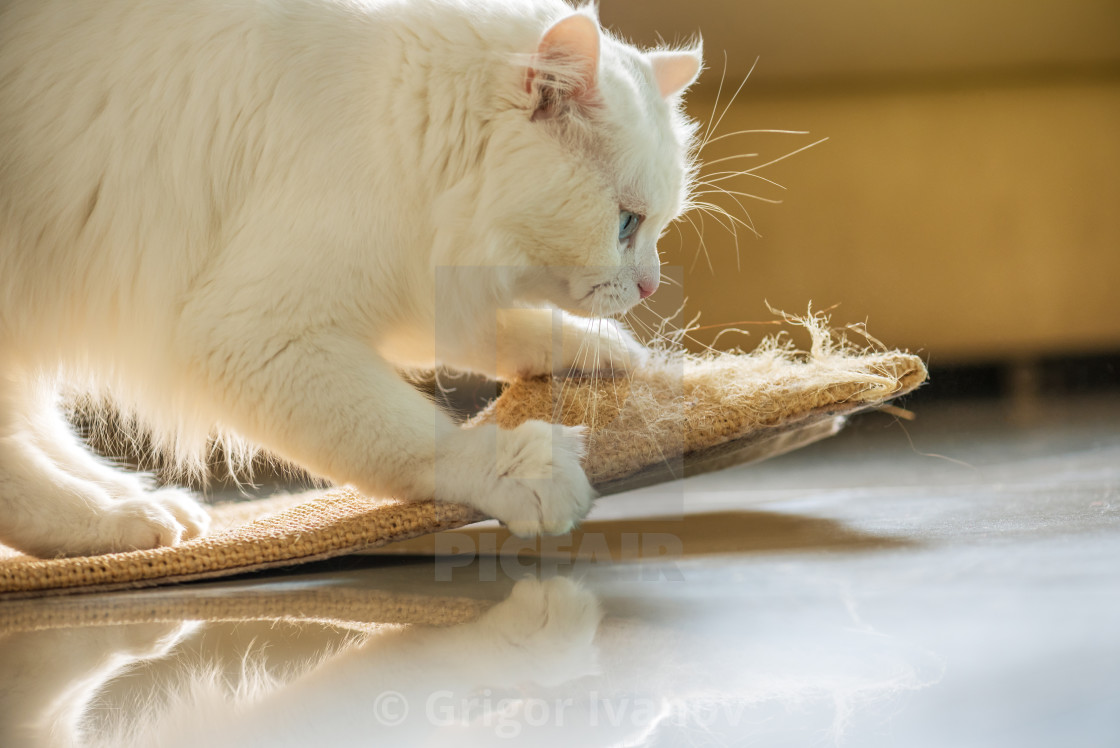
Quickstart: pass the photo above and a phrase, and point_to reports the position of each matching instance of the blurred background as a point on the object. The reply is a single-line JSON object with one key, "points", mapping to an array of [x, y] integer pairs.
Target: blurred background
{"points": [[966, 202]]}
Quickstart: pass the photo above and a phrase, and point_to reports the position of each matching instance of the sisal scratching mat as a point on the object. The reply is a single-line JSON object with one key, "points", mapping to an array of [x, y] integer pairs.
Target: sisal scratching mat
{"points": [[677, 415]]}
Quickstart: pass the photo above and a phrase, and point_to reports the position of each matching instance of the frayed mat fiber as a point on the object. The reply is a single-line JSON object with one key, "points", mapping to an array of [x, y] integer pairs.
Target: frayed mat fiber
{"points": [[678, 405], [678, 414]]}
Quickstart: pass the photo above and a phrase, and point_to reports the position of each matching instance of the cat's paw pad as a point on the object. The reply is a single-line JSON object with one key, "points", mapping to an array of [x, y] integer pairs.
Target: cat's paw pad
{"points": [[165, 517], [540, 485]]}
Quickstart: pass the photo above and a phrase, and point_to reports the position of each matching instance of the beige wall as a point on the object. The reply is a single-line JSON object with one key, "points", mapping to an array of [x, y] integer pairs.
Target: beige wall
{"points": [[975, 219], [967, 202]]}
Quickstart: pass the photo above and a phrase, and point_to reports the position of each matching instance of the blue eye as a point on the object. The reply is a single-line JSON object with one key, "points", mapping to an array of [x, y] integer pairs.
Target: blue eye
{"points": [[627, 224]]}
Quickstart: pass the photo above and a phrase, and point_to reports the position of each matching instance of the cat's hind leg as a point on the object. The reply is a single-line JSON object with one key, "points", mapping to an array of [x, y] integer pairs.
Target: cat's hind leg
{"points": [[52, 433], [56, 499]]}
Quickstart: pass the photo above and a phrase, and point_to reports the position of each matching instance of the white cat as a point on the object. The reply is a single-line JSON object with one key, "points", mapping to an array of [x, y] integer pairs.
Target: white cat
{"points": [[248, 215]]}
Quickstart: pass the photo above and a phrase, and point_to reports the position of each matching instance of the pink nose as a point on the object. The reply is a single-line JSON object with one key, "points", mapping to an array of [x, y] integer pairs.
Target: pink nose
{"points": [[647, 286]]}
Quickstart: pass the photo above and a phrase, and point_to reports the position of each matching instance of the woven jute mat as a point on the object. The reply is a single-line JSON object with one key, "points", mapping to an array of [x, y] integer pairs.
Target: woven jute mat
{"points": [[678, 415]]}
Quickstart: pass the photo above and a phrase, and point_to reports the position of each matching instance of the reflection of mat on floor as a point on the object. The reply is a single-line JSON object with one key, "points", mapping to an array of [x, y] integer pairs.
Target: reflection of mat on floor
{"points": [[676, 417], [338, 605]]}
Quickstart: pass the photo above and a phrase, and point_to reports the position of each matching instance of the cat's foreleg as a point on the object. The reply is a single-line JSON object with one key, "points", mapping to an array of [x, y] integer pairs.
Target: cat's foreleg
{"points": [[329, 403], [533, 342]]}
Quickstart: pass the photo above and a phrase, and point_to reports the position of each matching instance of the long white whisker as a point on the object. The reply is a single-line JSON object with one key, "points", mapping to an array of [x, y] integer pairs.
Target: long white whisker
{"points": [[715, 104], [733, 157], [756, 132], [712, 209], [716, 212], [731, 101], [703, 245], [722, 176], [721, 190], [783, 158]]}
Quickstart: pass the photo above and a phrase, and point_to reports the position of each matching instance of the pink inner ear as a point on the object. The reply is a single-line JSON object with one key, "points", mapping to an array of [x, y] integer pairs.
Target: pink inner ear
{"points": [[674, 71], [573, 43]]}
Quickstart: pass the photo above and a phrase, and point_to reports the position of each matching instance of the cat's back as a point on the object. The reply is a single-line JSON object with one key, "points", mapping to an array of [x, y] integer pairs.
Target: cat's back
{"points": [[133, 128], [108, 93], [107, 107]]}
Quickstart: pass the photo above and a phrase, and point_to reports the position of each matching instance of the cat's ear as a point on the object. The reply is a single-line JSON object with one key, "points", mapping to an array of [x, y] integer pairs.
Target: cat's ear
{"points": [[565, 68], [675, 71]]}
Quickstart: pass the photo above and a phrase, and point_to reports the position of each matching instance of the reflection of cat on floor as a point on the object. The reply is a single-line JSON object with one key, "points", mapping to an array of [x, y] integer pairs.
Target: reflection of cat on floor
{"points": [[48, 678], [274, 684], [537, 669]]}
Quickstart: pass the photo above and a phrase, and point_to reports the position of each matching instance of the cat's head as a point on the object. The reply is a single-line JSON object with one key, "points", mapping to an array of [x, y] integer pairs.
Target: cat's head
{"points": [[591, 165]]}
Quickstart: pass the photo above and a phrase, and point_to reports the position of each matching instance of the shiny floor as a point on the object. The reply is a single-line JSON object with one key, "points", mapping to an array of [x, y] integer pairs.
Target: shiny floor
{"points": [[951, 581]]}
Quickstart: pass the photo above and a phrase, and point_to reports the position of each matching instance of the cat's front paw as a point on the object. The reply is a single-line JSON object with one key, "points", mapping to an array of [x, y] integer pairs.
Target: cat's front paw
{"points": [[539, 484], [605, 348], [535, 342]]}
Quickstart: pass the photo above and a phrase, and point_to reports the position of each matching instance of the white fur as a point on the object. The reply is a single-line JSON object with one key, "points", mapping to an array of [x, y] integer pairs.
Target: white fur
{"points": [[246, 215]]}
